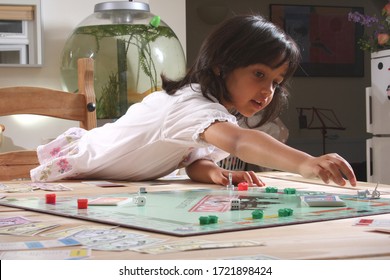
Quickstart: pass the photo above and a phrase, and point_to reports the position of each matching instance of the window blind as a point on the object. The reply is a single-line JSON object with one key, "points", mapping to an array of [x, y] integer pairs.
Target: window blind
{"points": [[16, 12]]}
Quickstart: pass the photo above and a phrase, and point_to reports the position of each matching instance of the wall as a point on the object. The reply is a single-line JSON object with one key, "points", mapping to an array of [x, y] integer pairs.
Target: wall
{"points": [[59, 18], [345, 96]]}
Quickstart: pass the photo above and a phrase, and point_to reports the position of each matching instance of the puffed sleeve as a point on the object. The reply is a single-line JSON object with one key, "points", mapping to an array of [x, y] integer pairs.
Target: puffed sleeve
{"points": [[190, 116]]}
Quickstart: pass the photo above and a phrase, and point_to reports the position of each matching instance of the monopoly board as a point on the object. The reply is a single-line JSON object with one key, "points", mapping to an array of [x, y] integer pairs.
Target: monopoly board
{"points": [[177, 212]]}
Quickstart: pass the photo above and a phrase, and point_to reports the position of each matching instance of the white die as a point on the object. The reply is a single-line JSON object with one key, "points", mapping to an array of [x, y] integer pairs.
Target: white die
{"points": [[140, 200], [235, 204]]}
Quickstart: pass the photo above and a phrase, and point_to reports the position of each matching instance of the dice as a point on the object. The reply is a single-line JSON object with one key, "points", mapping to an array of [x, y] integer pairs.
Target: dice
{"points": [[235, 204], [140, 200]]}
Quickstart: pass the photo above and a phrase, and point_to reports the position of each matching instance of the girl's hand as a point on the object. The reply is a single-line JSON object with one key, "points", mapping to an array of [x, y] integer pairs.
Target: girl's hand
{"points": [[222, 178], [329, 167]]}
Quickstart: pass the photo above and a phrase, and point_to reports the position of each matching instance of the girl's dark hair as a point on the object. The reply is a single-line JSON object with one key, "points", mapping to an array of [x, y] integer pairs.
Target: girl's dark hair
{"points": [[241, 41]]}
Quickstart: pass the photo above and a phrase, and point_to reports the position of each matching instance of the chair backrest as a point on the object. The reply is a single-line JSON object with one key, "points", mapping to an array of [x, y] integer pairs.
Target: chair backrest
{"points": [[78, 106]]}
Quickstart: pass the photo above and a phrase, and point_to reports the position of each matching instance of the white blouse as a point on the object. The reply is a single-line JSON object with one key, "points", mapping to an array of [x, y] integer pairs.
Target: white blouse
{"points": [[155, 137]]}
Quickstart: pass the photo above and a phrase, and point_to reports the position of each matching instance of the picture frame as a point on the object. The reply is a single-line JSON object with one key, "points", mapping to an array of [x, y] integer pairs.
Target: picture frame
{"points": [[326, 38]]}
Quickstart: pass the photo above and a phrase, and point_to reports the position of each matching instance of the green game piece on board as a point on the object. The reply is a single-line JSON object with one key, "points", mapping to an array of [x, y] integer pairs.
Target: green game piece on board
{"points": [[289, 211], [281, 213], [213, 219], [204, 220], [257, 214], [271, 190], [155, 21], [285, 212], [290, 191]]}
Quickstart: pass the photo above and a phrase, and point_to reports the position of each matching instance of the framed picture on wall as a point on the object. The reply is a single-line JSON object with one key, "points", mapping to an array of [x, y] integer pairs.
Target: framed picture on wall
{"points": [[326, 38]]}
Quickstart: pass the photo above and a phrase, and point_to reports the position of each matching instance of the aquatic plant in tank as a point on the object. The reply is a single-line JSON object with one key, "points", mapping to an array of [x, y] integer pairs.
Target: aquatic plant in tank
{"points": [[131, 48]]}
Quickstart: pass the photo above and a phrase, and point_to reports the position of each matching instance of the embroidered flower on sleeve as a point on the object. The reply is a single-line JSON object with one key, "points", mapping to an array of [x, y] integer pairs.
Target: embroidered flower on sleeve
{"points": [[55, 151], [45, 173], [64, 165]]}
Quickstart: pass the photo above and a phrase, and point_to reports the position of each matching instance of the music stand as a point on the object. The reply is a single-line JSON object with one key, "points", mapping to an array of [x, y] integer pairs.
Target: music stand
{"points": [[322, 119]]}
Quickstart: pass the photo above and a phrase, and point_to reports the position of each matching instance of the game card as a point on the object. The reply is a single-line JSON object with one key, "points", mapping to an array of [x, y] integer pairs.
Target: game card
{"points": [[74, 230], [195, 245], [104, 184], [126, 244], [94, 237], [50, 187], [16, 189], [109, 201], [29, 229], [171, 247], [74, 254], [373, 222], [13, 221], [9, 246]]}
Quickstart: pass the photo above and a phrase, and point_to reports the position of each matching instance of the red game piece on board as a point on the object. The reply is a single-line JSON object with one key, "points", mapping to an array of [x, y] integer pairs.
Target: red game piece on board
{"points": [[243, 186], [50, 198], [82, 203]]}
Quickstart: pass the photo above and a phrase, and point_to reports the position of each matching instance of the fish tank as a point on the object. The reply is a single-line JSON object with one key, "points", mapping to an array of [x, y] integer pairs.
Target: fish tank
{"points": [[131, 48]]}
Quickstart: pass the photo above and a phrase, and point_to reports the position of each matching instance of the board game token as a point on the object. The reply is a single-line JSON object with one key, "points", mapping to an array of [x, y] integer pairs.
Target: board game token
{"points": [[290, 191], [142, 190], [271, 190], [82, 203], [362, 194], [257, 214], [50, 198], [243, 186], [230, 186], [285, 212], [375, 193], [213, 219], [204, 220]]}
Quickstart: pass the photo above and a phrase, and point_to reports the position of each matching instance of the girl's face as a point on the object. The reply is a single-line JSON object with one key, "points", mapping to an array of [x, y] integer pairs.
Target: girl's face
{"points": [[252, 88]]}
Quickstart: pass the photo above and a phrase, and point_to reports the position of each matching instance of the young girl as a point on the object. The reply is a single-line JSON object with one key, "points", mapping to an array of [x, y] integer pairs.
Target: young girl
{"points": [[241, 70]]}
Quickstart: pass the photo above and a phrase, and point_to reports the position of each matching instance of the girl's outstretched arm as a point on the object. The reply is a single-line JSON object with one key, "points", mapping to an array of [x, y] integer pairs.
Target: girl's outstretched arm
{"points": [[259, 148]]}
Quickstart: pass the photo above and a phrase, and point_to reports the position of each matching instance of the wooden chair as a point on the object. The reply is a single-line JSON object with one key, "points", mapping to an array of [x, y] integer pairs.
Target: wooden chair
{"points": [[46, 102]]}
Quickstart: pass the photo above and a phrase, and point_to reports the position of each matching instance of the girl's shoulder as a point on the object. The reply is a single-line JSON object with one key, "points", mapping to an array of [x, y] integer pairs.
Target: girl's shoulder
{"points": [[192, 92]]}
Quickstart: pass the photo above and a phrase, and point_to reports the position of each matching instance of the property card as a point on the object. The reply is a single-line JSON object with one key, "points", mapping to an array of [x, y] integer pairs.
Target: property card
{"points": [[322, 201], [176, 246], [17, 188], [74, 254], [373, 222], [10, 246], [71, 231], [126, 244], [50, 187], [195, 245], [109, 201], [29, 229], [103, 236], [104, 184], [13, 221]]}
